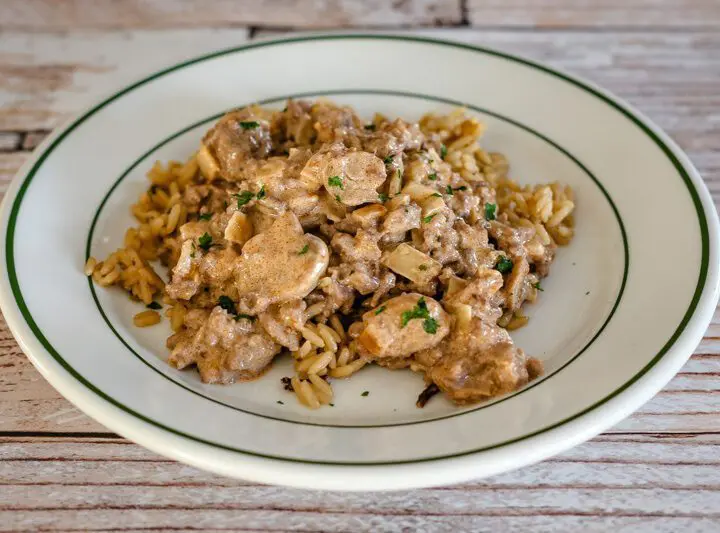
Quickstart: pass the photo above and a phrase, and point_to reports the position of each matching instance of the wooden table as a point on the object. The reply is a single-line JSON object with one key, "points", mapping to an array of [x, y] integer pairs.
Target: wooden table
{"points": [[657, 471]]}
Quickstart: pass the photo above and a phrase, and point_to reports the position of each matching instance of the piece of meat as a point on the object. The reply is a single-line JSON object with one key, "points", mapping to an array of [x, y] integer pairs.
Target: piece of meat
{"points": [[402, 326], [296, 123], [473, 247], [279, 265], [224, 349], [333, 123], [283, 322], [354, 177], [438, 238], [362, 247], [394, 137], [400, 219], [479, 362], [483, 293], [235, 138]]}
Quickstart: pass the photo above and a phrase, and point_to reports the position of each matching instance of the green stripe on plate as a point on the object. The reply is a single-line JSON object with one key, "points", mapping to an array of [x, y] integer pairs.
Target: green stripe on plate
{"points": [[702, 222]]}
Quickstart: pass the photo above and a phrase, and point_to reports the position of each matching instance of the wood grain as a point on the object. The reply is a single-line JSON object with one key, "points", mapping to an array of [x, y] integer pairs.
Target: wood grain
{"points": [[52, 15], [647, 14], [619, 481], [657, 471]]}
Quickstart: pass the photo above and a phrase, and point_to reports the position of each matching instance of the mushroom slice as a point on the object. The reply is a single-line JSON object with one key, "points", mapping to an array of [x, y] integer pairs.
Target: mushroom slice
{"points": [[279, 265]]}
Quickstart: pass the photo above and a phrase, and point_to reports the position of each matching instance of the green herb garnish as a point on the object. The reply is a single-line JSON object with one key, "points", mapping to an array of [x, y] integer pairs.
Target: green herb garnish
{"points": [[192, 254], [388, 159], [304, 250], [154, 305], [433, 176], [538, 287], [205, 241], [281, 402], [366, 393], [243, 198], [226, 303], [383, 197], [380, 310], [261, 193], [437, 195], [504, 265], [430, 325], [336, 181], [461, 188], [240, 316], [370, 127], [249, 125], [449, 190], [490, 211], [206, 216], [443, 151], [337, 198], [428, 218], [423, 267]]}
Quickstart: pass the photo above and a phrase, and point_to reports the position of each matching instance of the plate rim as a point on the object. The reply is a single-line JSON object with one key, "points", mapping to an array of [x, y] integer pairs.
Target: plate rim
{"points": [[645, 383]]}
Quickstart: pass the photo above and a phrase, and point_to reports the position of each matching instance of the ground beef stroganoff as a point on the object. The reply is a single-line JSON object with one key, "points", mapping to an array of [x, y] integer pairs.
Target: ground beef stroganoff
{"points": [[344, 243]]}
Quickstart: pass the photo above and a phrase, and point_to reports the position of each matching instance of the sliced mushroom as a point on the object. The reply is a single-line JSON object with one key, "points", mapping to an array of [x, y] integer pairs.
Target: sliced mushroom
{"points": [[279, 265], [402, 326], [412, 264], [239, 228], [353, 178]]}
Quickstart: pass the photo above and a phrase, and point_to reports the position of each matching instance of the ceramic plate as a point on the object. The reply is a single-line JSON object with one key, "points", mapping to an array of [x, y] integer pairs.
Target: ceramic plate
{"points": [[623, 308]]}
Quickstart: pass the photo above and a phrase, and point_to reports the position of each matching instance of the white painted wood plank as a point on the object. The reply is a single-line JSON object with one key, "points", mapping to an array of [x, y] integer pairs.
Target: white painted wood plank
{"points": [[627, 481], [653, 14], [48, 77], [74, 14]]}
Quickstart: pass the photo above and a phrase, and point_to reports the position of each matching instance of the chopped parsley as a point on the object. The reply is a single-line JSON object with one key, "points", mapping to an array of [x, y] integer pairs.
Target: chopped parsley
{"points": [[443, 151], [433, 176], [281, 402], [226, 303], [336, 181], [370, 127], [205, 241], [449, 190], [154, 305], [383, 197], [304, 250], [490, 211], [192, 254], [423, 267], [538, 287], [366, 393], [388, 160], [428, 218], [243, 198], [504, 265], [461, 188], [261, 193], [380, 310], [240, 316], [337, 197], [430, 325], [206, 216], [331, 404], [249, 124], [436, 195]]}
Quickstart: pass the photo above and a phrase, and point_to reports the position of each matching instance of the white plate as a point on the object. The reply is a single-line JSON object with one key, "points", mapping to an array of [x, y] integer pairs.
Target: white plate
{"points": [[623, 308]]}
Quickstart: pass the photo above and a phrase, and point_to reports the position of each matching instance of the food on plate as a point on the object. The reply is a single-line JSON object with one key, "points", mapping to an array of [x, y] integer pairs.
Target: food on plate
{"points": [[344, 243]]}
